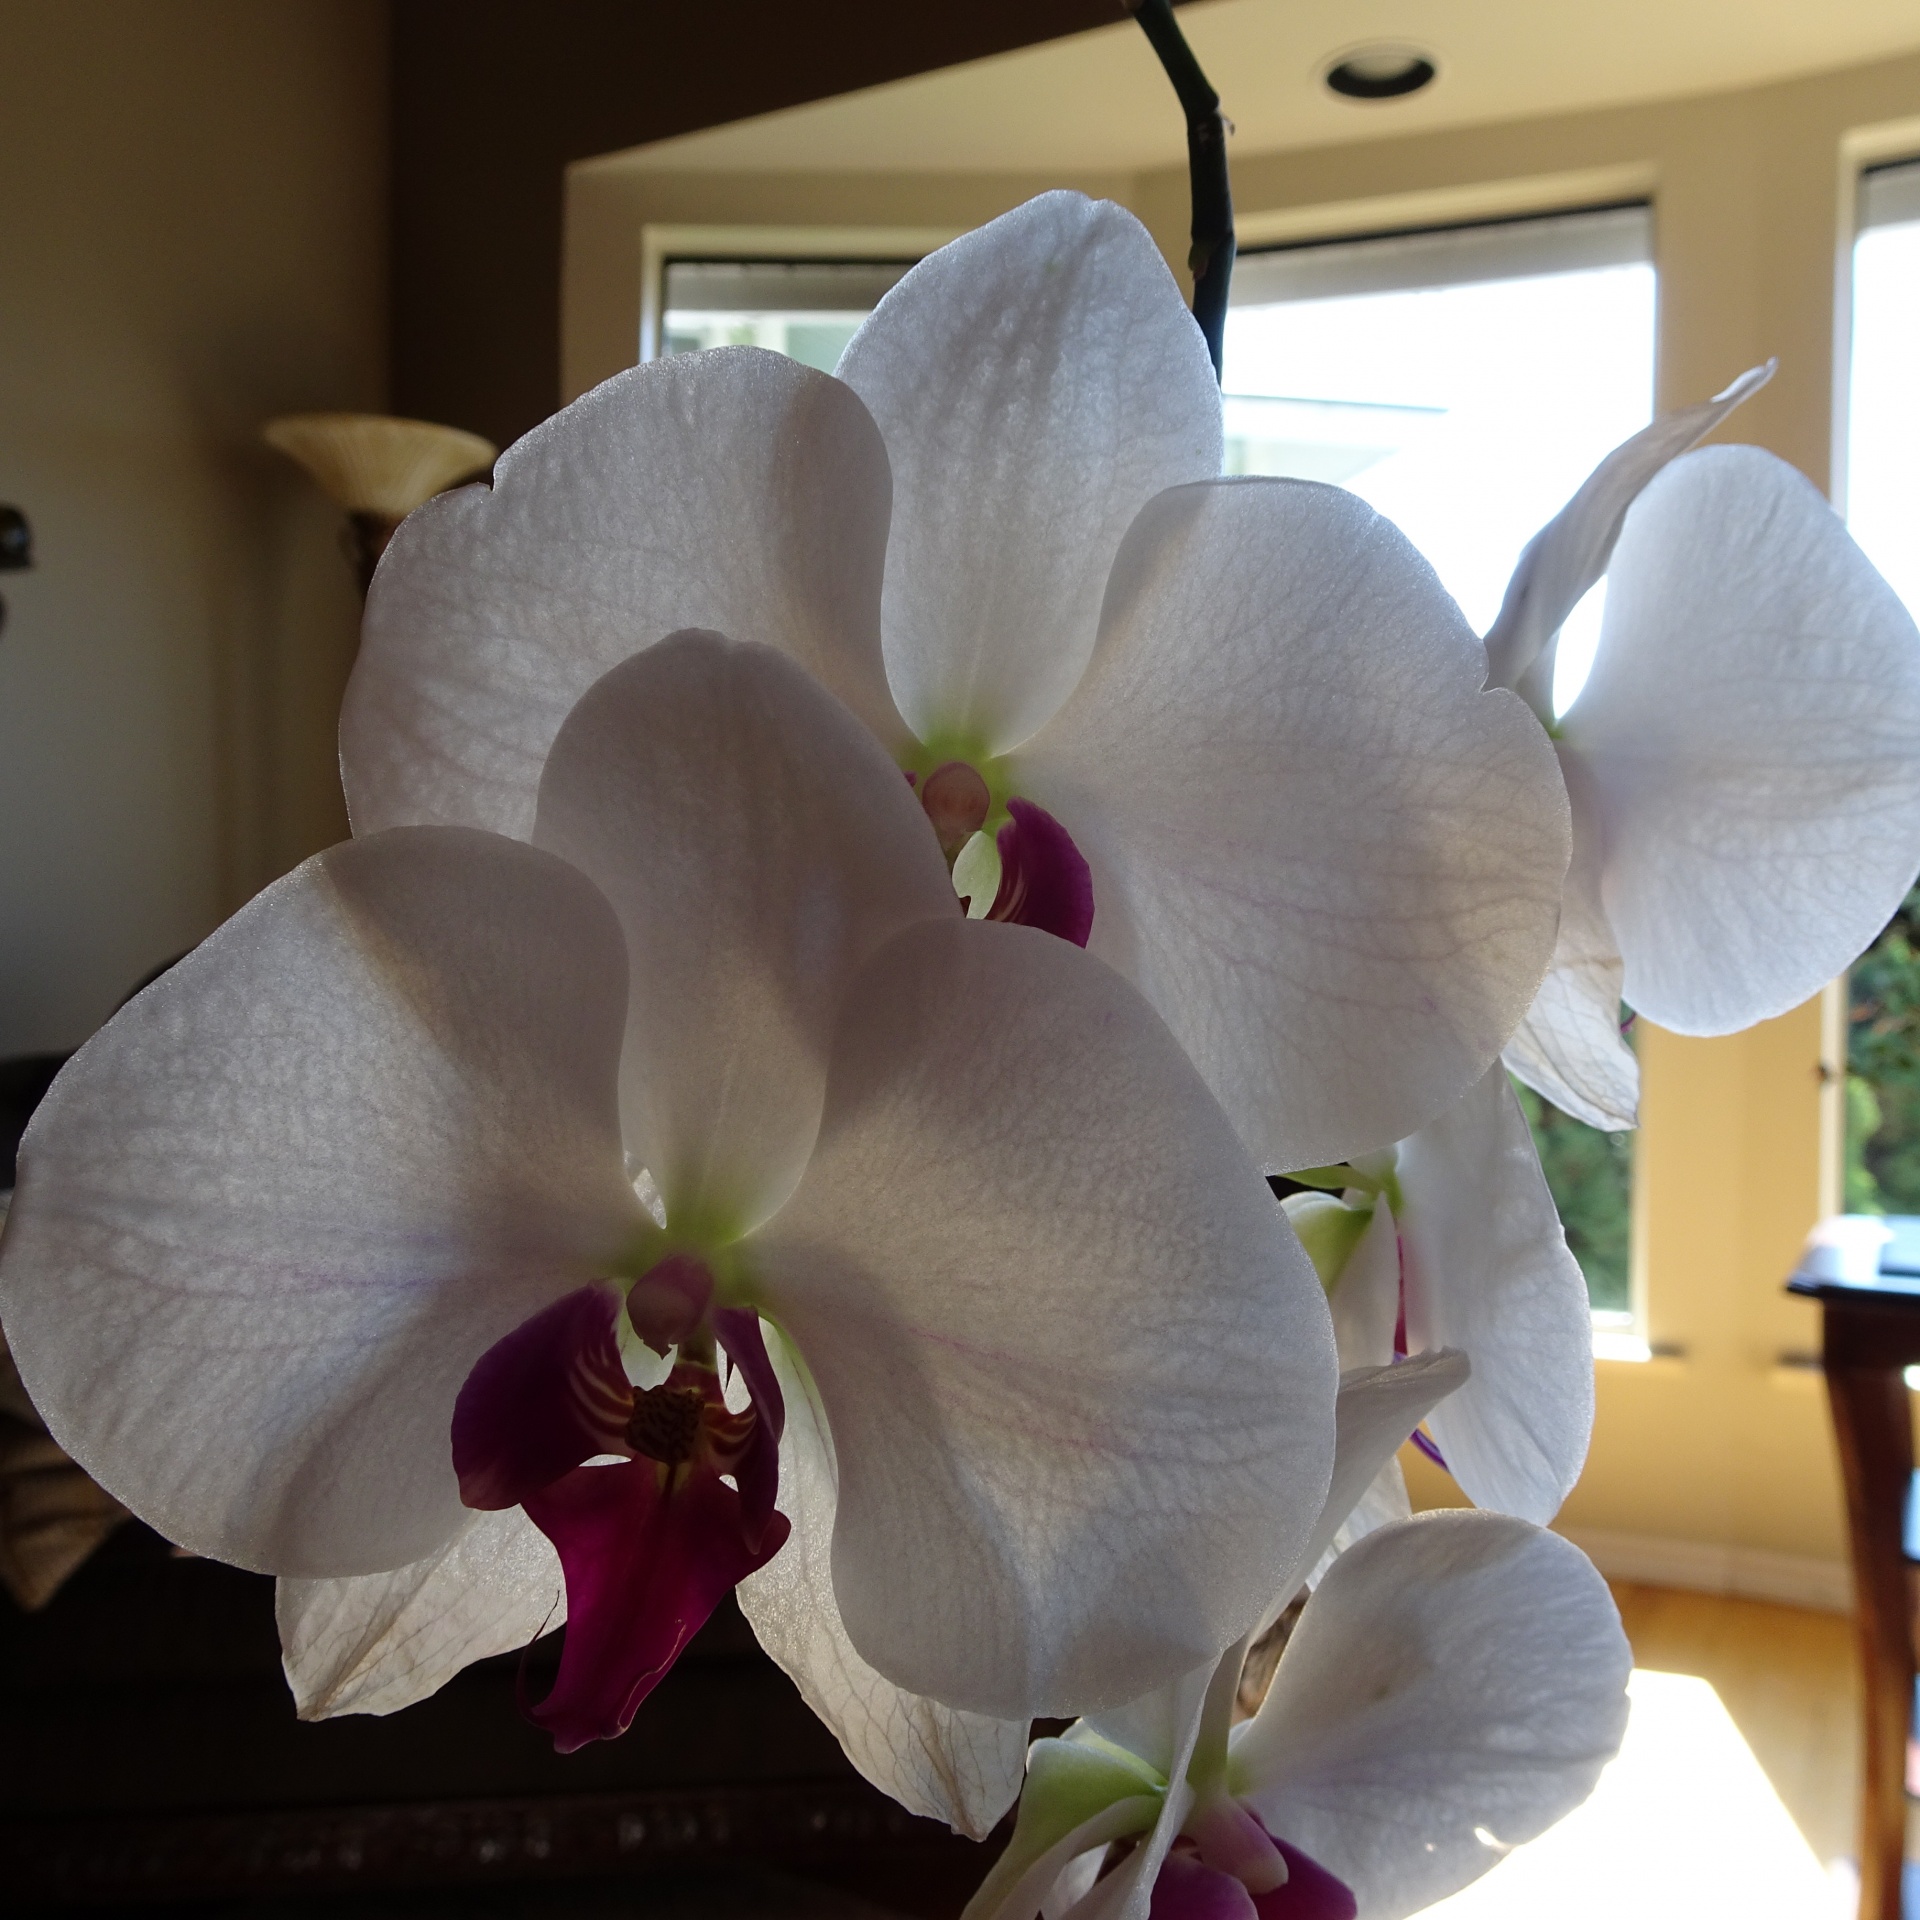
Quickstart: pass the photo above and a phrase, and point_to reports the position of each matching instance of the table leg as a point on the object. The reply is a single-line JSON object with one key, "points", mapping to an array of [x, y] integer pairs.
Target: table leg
{"points": [[1871, 1423]]}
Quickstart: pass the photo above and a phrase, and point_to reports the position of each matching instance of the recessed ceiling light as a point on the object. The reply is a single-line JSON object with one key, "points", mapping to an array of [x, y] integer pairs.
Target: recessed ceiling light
{"points": [[1380, 73]]}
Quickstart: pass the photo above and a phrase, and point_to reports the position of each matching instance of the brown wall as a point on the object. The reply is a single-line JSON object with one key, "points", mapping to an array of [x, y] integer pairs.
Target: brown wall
{"points": [[493, 98], [193, 239]]}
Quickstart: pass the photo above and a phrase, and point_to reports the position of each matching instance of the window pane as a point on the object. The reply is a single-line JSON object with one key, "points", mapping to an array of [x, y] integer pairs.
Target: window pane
{"points": [[809, 309], [1883, 510], [1465, 382]]}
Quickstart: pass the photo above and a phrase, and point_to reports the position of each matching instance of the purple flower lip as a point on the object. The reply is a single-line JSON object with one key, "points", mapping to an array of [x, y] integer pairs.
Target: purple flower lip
{"points": [[650, 1541], [1045, 881]]}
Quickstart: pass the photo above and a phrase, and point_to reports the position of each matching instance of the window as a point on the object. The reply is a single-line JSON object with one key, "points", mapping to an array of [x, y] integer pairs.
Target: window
{"points": [[1465, 381], [806, 308], [1883, 510]]}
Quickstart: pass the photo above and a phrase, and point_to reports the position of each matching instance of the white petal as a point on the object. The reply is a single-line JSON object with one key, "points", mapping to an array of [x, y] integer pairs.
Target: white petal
{"points": [[1037, 382], [1366, 1297], [1326, 856], [1569, 1046], [1571, 551], [1488, 1272], [1377, 1409], [1459, 1673], [758, 845], [734, 489], [377, 1642], [1384, 1504], [274, 1211], [1752, 725], [963, 1768], [1079, 1372]]}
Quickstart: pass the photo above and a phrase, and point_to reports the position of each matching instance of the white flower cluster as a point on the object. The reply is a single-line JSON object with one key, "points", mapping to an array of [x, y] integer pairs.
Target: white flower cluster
{"points": [[854, 883]]}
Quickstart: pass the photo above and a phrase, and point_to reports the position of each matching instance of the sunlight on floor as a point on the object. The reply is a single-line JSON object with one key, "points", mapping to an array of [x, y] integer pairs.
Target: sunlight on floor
{"points": [[1685, 1823]]}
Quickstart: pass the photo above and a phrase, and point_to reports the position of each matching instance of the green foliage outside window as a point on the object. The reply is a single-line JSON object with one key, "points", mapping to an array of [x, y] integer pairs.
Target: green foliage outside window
{"points": [[1883, 1070], [1590, 1175]]}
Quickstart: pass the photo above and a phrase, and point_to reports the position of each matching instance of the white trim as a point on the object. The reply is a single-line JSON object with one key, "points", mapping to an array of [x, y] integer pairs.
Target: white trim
{"points": [[1546, 193], [659, 244], [1709, 1566]]}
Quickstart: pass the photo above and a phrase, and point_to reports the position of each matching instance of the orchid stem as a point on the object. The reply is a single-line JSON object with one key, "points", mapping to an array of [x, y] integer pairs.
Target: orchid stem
{"points": [[1211, 256]]}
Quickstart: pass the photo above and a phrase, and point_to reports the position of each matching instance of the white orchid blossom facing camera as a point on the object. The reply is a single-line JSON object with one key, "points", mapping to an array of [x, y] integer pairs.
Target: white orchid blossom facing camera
{"points": [[1232, 734], [336, 1236], [1453, 1686], [1451, 1240], [1743, 760]]}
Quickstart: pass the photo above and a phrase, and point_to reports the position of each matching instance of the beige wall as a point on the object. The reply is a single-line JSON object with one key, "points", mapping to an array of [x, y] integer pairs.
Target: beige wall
{"points": [[1717, 1443], [192, 239]]}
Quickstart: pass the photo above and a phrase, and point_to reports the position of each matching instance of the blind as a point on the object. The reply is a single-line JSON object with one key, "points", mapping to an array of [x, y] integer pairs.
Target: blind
{"points": [[779, 286], [1890, 195], [1446, 256]]}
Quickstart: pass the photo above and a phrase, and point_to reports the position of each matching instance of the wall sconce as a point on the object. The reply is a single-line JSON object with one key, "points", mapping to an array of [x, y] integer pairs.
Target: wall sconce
{"points": [[378, 468], [16, 548]]}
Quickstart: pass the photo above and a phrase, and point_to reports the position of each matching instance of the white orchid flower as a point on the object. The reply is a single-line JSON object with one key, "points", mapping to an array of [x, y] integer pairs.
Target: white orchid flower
{"points": [[1451, 1239], [1743, 761], [1233, 734], [333, 1236], [1453, 1687]]}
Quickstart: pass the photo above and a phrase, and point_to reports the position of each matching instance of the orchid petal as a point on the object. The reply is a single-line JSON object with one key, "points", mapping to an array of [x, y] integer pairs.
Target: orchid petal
{"points": [[1462, 1674], [1036, 382], [1185, 1890], [1489, 1272], [1366, 1298], [757, 845], [272, 1214], [1310, 1892], [1326, 856], [541, 1400], [1377, 1408], [1044, 881], [649, 1552], [1077, 1800], [1569, 1047], [1052, 1497], [1752, 727], [733, 489], [1571, 551], [377, 1642], [963, 1768]]}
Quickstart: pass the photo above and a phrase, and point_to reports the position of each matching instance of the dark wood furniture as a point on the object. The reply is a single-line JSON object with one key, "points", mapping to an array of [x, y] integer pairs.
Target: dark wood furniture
{"points": [[150, 1761], [1869, 1335]]}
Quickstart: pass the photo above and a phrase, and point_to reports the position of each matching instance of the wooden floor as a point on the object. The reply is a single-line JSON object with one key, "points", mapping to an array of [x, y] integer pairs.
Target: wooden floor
{"points": [[1786, 1675]]}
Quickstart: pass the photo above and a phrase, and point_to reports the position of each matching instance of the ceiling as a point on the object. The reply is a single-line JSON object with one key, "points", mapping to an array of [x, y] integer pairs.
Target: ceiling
{"points": [[1099, 101]]}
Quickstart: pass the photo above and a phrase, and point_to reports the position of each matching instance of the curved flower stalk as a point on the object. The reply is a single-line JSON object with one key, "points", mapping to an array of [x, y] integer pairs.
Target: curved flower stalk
{"points": [[1233, 734], [1452, 1240], [1743, 761], [360, 1174], [1453, 1687]]}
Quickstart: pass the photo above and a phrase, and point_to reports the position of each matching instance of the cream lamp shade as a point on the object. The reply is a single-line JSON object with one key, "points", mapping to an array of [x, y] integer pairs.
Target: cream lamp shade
{"points": [[378, 468]]}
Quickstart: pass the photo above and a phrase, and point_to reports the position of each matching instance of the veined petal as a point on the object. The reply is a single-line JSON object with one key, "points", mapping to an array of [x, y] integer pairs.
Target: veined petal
{"points": [[1752, 728], [733, 489], [1569, 1047], [1378, 1407], [1458, 1675], [275, 1210], [377, 1642], [1036, 383], [1331, 861], [963, 1768], [1488, 1272], [648, 1551], [757, 845], [1077, 1369], [1571, 551]]}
